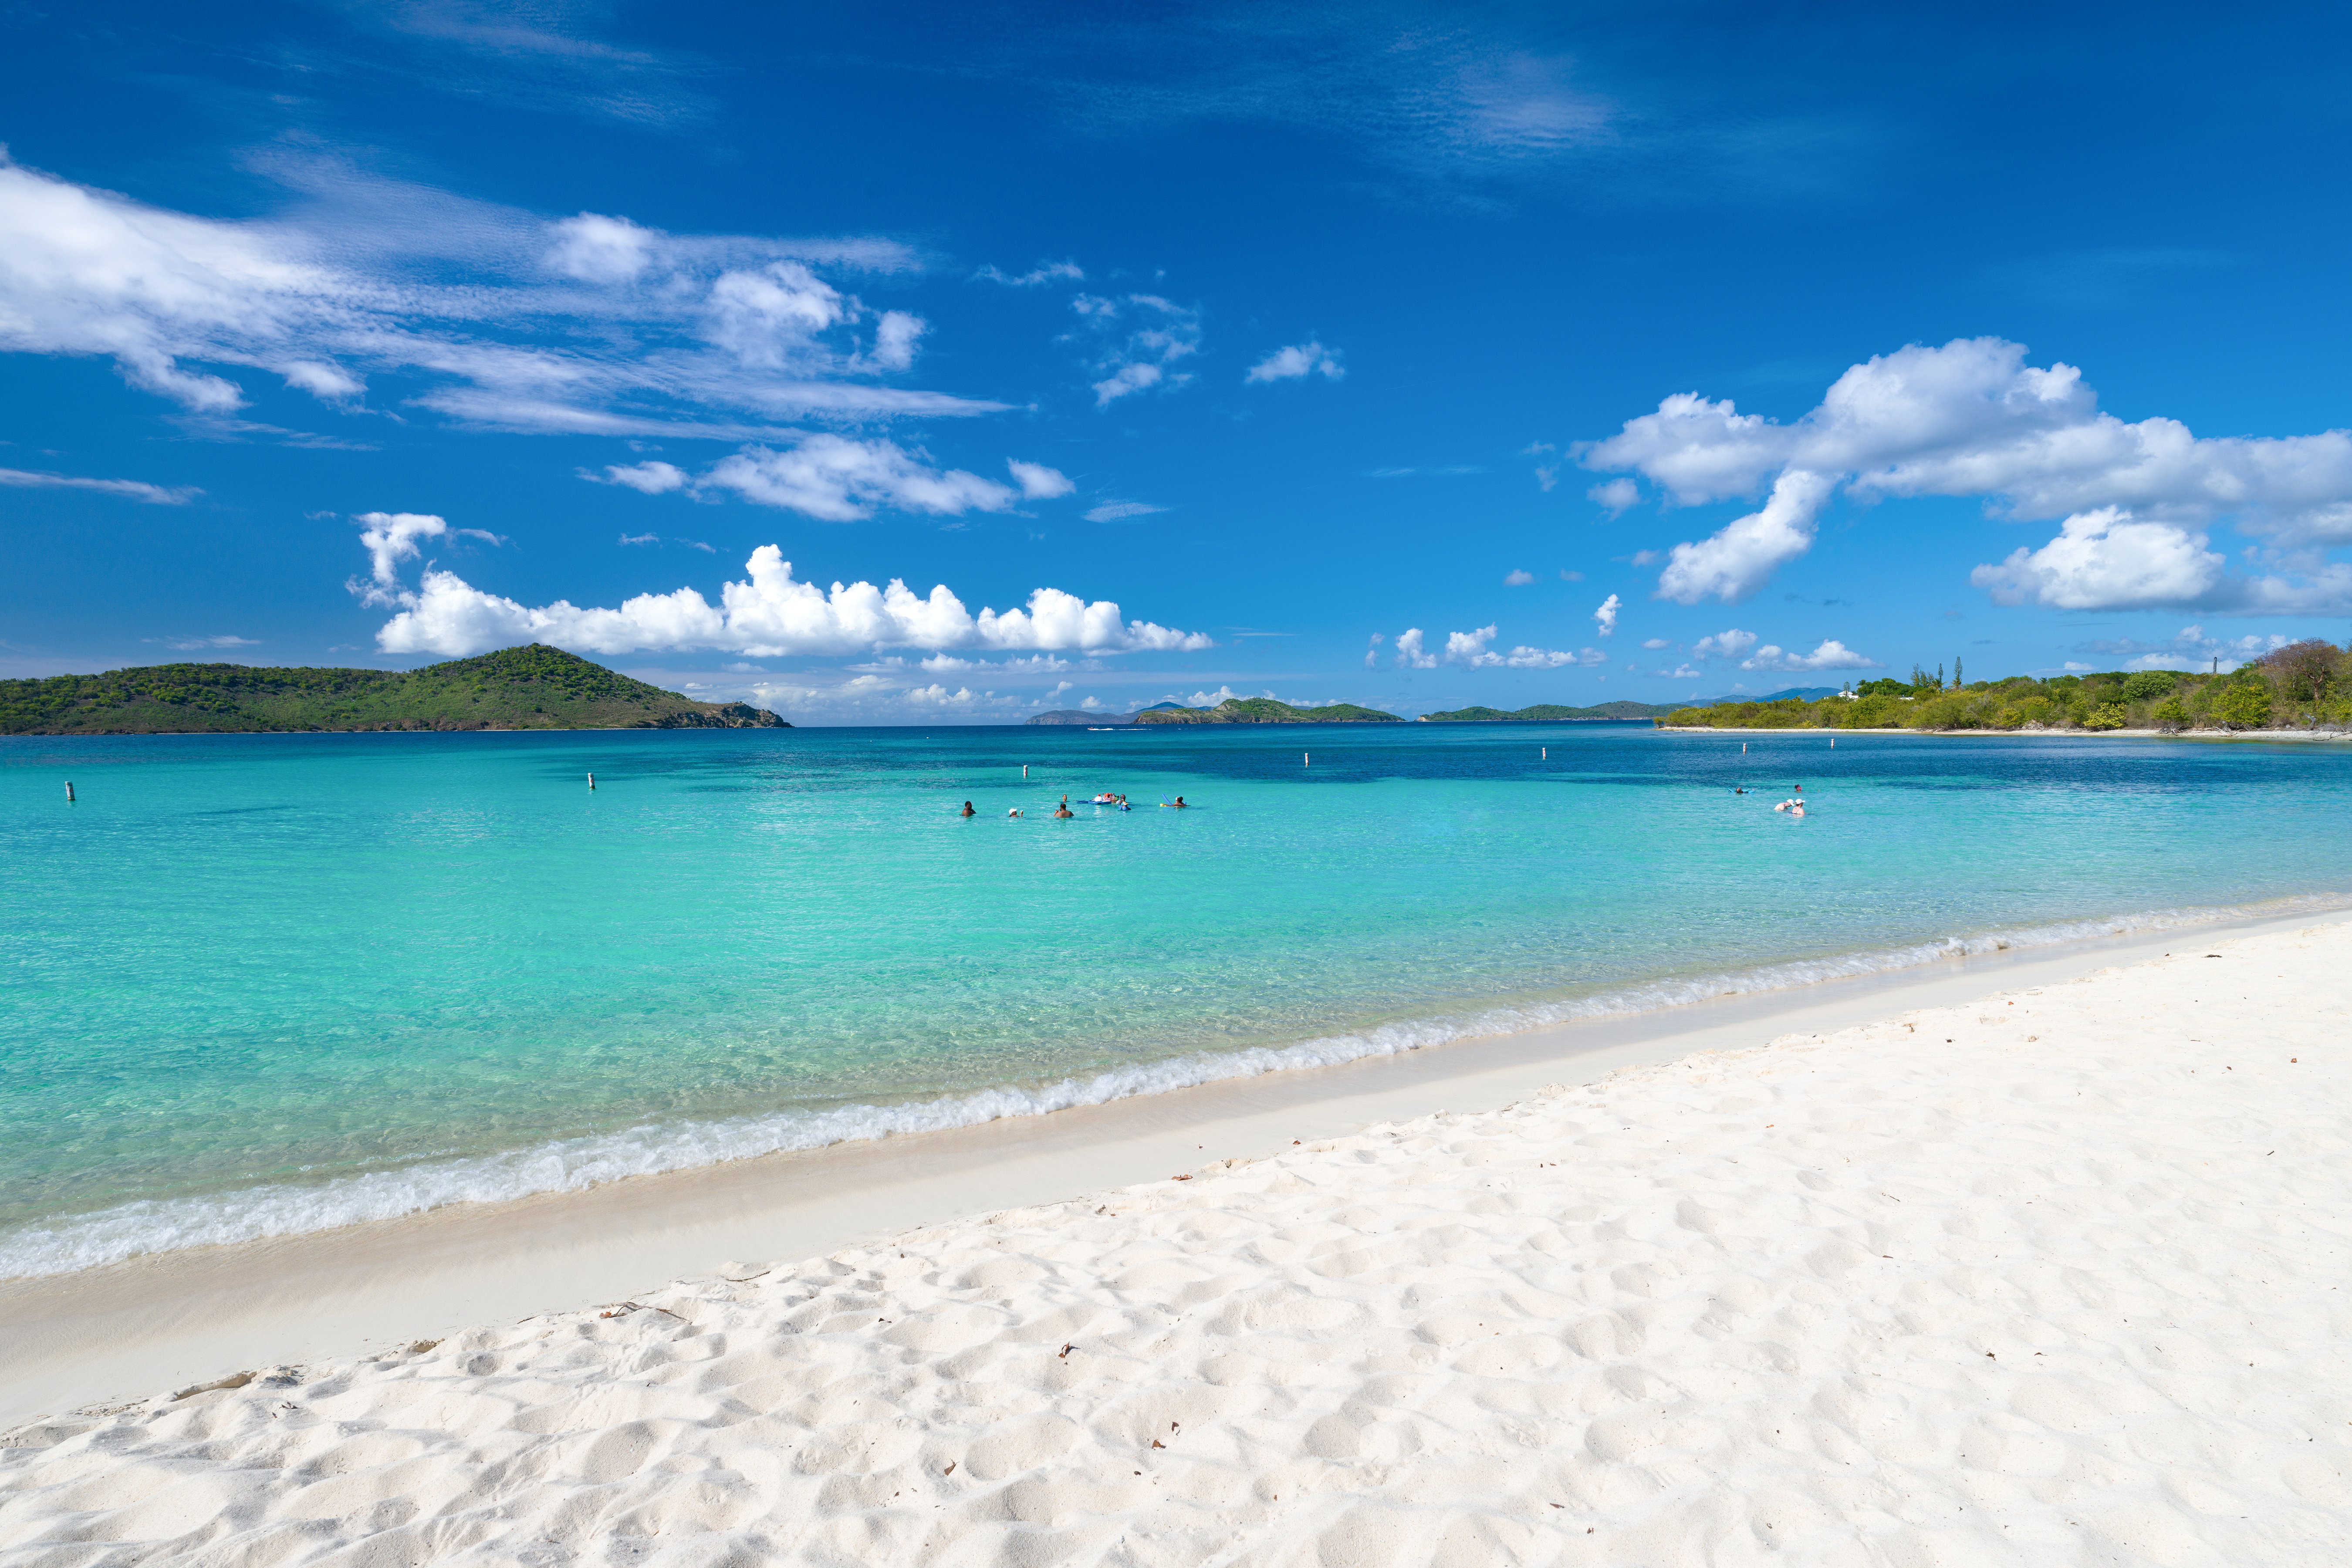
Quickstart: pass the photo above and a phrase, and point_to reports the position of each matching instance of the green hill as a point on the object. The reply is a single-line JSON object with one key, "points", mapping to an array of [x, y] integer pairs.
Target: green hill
{"points": [[1549, 714], [533, 687], [1266, 710], [2305, 685]]}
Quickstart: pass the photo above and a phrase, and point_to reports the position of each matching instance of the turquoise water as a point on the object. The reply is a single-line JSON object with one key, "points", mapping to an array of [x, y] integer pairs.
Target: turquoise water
{"points": [[257, 985]]}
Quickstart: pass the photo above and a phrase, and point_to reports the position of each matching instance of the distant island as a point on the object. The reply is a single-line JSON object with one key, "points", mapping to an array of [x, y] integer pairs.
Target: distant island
{"points": [[1081, 716], [533, 687], [2304, 686], [1549, 714], [1265, 711]]}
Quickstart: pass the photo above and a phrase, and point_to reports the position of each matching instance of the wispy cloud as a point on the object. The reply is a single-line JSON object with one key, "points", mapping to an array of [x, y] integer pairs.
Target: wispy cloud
{"points": [[137, 489], [1142, 339], [588, 324], [1121, 510]]}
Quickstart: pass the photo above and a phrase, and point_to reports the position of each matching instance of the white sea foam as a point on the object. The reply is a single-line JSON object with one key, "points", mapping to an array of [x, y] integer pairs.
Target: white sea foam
{"points": [[571, 1165]]}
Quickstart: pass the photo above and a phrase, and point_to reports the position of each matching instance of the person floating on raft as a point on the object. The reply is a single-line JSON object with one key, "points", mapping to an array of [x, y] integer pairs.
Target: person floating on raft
{"points": [[1176, 804]]}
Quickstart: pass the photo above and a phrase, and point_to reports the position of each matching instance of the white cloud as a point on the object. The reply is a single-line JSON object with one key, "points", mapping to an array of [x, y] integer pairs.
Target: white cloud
{"points": [[1568, 576], [1517, 579], [1409, 654], [841, 480], [641, 539], [1654, 643], [770, 615], [137, 489], [1740, 557], [588, 324], [1373, 652], [1971, 418], [1613, 496], [1831, 655], [390, 538], [1121, 510], [1045, 272], [1038, 481], [1605, 618], [1297, 360], [1470, 649], [651, 477], [1146, 334], [189, 645], [2190, 649], [1729, 643]]}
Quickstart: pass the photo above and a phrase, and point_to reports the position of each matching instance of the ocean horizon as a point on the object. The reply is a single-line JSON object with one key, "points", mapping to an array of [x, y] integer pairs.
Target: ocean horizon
{"points": [[266, 984]]}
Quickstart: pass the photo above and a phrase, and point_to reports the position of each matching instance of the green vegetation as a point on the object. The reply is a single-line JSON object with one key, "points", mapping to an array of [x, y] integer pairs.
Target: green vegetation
{"points": [[533, 687], [1266, 710], [2305, 685], [1548, 712]]}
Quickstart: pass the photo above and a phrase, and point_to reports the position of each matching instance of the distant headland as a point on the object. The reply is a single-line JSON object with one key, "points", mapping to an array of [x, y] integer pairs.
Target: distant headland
{"points": [[1266, 710], [1549, 714], [532, 688]]}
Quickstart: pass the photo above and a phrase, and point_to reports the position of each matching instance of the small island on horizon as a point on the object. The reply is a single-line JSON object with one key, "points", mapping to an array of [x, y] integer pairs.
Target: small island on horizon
{"points": [[529, 687]]}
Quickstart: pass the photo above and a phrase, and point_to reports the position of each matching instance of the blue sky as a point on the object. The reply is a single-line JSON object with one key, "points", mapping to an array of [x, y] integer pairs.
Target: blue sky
{"points": [[1415, 356]]}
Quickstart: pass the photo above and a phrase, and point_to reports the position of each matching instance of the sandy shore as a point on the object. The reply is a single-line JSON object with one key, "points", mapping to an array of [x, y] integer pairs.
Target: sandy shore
{"points": [[2063, 1274]]}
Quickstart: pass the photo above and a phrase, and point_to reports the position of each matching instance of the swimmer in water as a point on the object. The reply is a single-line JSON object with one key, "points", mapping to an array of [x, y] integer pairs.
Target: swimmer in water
{"points": [[1176, 804], [967, 810], [1064, 809], [1014, 812]]}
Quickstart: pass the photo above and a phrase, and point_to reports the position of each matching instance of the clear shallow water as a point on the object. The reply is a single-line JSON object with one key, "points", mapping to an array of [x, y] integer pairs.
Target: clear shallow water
{"points": [[256, 984]]}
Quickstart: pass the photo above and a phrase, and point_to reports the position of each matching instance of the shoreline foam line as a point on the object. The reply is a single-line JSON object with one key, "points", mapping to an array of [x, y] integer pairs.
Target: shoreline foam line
{"points": [[578, 1163]]}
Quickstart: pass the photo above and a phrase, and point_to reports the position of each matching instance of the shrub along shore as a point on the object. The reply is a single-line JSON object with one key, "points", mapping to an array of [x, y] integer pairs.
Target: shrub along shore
{"points": [[2304, 686]]}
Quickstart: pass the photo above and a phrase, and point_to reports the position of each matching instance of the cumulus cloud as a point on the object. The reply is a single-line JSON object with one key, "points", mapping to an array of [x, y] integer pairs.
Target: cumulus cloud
{"points": [[1831, 655], [1614, 496], [137, 489], [1297, 361], [1605, 618], [1144, 337], [1410, 652], [585, 324], [1971, 418], [653, 478], [1470, 650], [1038, 481], [1517, 579], [1373, 652], [772, 614], [1730, 644], [2190, 649], [1654, 643]]}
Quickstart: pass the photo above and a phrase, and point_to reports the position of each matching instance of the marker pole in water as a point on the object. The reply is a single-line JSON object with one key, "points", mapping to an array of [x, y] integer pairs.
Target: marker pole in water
{"points": [[1025, 770], [592, 780], [69, 799], [1547, 753], [1306, 760]]}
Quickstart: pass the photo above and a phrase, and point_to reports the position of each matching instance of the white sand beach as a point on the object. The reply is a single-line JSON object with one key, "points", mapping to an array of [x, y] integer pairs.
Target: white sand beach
{"points": [[2063, 1274]]}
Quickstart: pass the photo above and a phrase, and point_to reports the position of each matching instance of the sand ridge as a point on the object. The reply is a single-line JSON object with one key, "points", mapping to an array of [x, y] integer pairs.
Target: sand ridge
{"points": [[2060, 1276]]}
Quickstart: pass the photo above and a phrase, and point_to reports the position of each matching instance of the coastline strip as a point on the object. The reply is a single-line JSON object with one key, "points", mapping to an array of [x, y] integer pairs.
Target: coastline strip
{"points": [[2055, 1275], [583, 1163], [191, 1316]]}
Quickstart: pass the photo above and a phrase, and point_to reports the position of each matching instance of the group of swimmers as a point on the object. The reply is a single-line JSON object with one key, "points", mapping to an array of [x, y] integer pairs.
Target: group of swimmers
{"points": [[1118, 801], [1794, 806]]}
